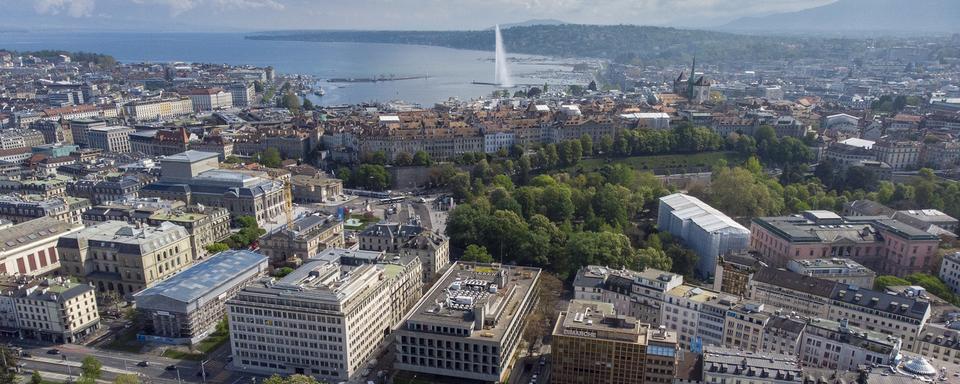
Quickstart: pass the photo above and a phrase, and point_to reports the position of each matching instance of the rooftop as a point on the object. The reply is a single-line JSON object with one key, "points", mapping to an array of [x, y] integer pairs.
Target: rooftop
{"points": [[718, 360], [34, 230], [598, 320], [481, 300], [216, 270], [145, 239], [190, 156]]}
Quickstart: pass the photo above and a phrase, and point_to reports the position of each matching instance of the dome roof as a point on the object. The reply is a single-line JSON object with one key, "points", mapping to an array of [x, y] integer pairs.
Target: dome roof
{"points": [[919, 366]]}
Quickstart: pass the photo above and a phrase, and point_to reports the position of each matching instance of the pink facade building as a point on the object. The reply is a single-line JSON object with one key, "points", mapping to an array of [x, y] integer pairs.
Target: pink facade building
{"points": [[885, 245]]}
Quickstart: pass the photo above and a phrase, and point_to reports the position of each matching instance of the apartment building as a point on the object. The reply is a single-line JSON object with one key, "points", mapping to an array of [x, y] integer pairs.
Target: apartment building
{"points": [[107, 190], [884, 245], [30, 248], [187, 307], [242, 94], [388, 237], [687, 311], [791, 293], [469, 324], [891, 314], [707, 231], [836, 345], [315, 188], [53, 310], [592, 344], [45, 188], [161, 109], [940, 342], [901, 155], [950, 271], [433, 250], [124, 258], [303, 240], [79, 129], [20, 208], [844, 271], [782, 334], [205, 225], [114, 138], [725, 365], [743, 326], [326, 319], [734, 271], [632, 293]]}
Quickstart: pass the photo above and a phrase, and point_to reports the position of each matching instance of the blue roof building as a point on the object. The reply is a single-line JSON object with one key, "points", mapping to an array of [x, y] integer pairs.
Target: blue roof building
{"points": [[186, 307]]}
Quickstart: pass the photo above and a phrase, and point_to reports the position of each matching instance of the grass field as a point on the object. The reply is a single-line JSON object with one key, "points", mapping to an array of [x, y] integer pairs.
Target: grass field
{"points": [[664, 163], [204, 347]]}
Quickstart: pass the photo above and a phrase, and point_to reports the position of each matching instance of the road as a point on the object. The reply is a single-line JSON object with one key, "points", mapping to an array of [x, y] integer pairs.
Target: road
{"points": [[114, 363]]}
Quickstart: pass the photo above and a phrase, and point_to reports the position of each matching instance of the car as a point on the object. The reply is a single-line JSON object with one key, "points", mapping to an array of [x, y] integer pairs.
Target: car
{"points": [[143, 364], [53, 352], [171, 368]]}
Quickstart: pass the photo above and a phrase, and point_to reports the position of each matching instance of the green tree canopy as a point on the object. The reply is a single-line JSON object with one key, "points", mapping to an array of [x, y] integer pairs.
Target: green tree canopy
{"points": [[477, 253]]}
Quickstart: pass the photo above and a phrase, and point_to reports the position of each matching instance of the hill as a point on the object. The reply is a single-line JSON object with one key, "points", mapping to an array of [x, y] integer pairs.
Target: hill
{"points": [[624, 43], [896, 17]]}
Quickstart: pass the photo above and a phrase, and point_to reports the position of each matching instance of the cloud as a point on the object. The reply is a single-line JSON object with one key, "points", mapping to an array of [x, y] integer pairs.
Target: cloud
{"points": [[178, 7], [248, 4], [73, 8]]}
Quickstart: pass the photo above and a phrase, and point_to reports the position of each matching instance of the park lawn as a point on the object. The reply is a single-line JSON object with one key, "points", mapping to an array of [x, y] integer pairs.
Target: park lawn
{"points": [[204, 347], [364, 222], [664, 162]]}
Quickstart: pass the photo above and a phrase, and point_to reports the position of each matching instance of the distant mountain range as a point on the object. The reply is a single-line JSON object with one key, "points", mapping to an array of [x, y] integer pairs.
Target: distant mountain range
{"points": [[532, 22], [859, 17]]}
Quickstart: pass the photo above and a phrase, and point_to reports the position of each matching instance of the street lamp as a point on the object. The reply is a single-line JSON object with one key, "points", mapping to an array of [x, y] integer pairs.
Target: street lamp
{"points": [[203, 371]]}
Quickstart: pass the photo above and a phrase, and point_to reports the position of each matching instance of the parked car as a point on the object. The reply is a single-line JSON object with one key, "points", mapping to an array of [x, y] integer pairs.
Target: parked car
{"points": [[143, 364], [171, 368], [53, 352]]}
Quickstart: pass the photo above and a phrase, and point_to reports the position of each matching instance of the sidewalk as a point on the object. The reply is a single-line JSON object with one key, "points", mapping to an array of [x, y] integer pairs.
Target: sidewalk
{"points": [[57, 377], [77, 364]]}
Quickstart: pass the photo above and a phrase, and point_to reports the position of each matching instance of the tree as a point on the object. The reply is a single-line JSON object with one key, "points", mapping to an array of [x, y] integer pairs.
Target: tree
{"points": [[307, 104], [270, 158], [653, 258], [214, 248], [290, 101], [403, 159], [586, 144], [9, 366], [684, 260], [371, 176], [232, 160], [477, 253], [421, 158], [126, 379], [592, 86], [91, 368]]}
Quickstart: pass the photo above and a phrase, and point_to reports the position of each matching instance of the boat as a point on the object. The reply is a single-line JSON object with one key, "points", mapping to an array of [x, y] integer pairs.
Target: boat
{"points": [[319, 92]]}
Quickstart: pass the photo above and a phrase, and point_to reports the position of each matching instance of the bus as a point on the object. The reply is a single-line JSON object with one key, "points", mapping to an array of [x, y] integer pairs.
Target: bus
{"points": [[391, 200]]}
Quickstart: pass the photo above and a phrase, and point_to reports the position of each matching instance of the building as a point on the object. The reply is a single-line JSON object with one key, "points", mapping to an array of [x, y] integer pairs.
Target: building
{"points": [[636, 294], [55, 310], [725, 365], [836, 345], [53, 131], [45, 188], [592, 344], [133, 211], [734, 271], [388, 237], [707, 231], [205, 225], [315, 188], [940, 342], [791, 293], [187, 307], [303, 240], [110, 139], [326, 318], [196, 178], [433, 250], [469, 325], [744, 325], [107, 190], [844, 271], [884, 245], [20, 208], [242, 94], [30, 248], [209, 99], [161, 109], [924, 219], [114, 256], [80, 127], [684, 312], [901, 155], [950, 271], [782, 334]]}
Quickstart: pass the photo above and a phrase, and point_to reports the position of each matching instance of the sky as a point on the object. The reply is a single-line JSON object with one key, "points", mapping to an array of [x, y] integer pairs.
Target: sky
{"points": [[255, 15]]}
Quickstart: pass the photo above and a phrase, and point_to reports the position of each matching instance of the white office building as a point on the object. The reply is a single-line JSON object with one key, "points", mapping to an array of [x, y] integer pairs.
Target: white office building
{"points": [[704, 229]]}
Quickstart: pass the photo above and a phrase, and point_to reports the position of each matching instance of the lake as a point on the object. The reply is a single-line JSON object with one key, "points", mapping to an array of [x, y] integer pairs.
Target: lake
{"points": [[450, 71]]}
